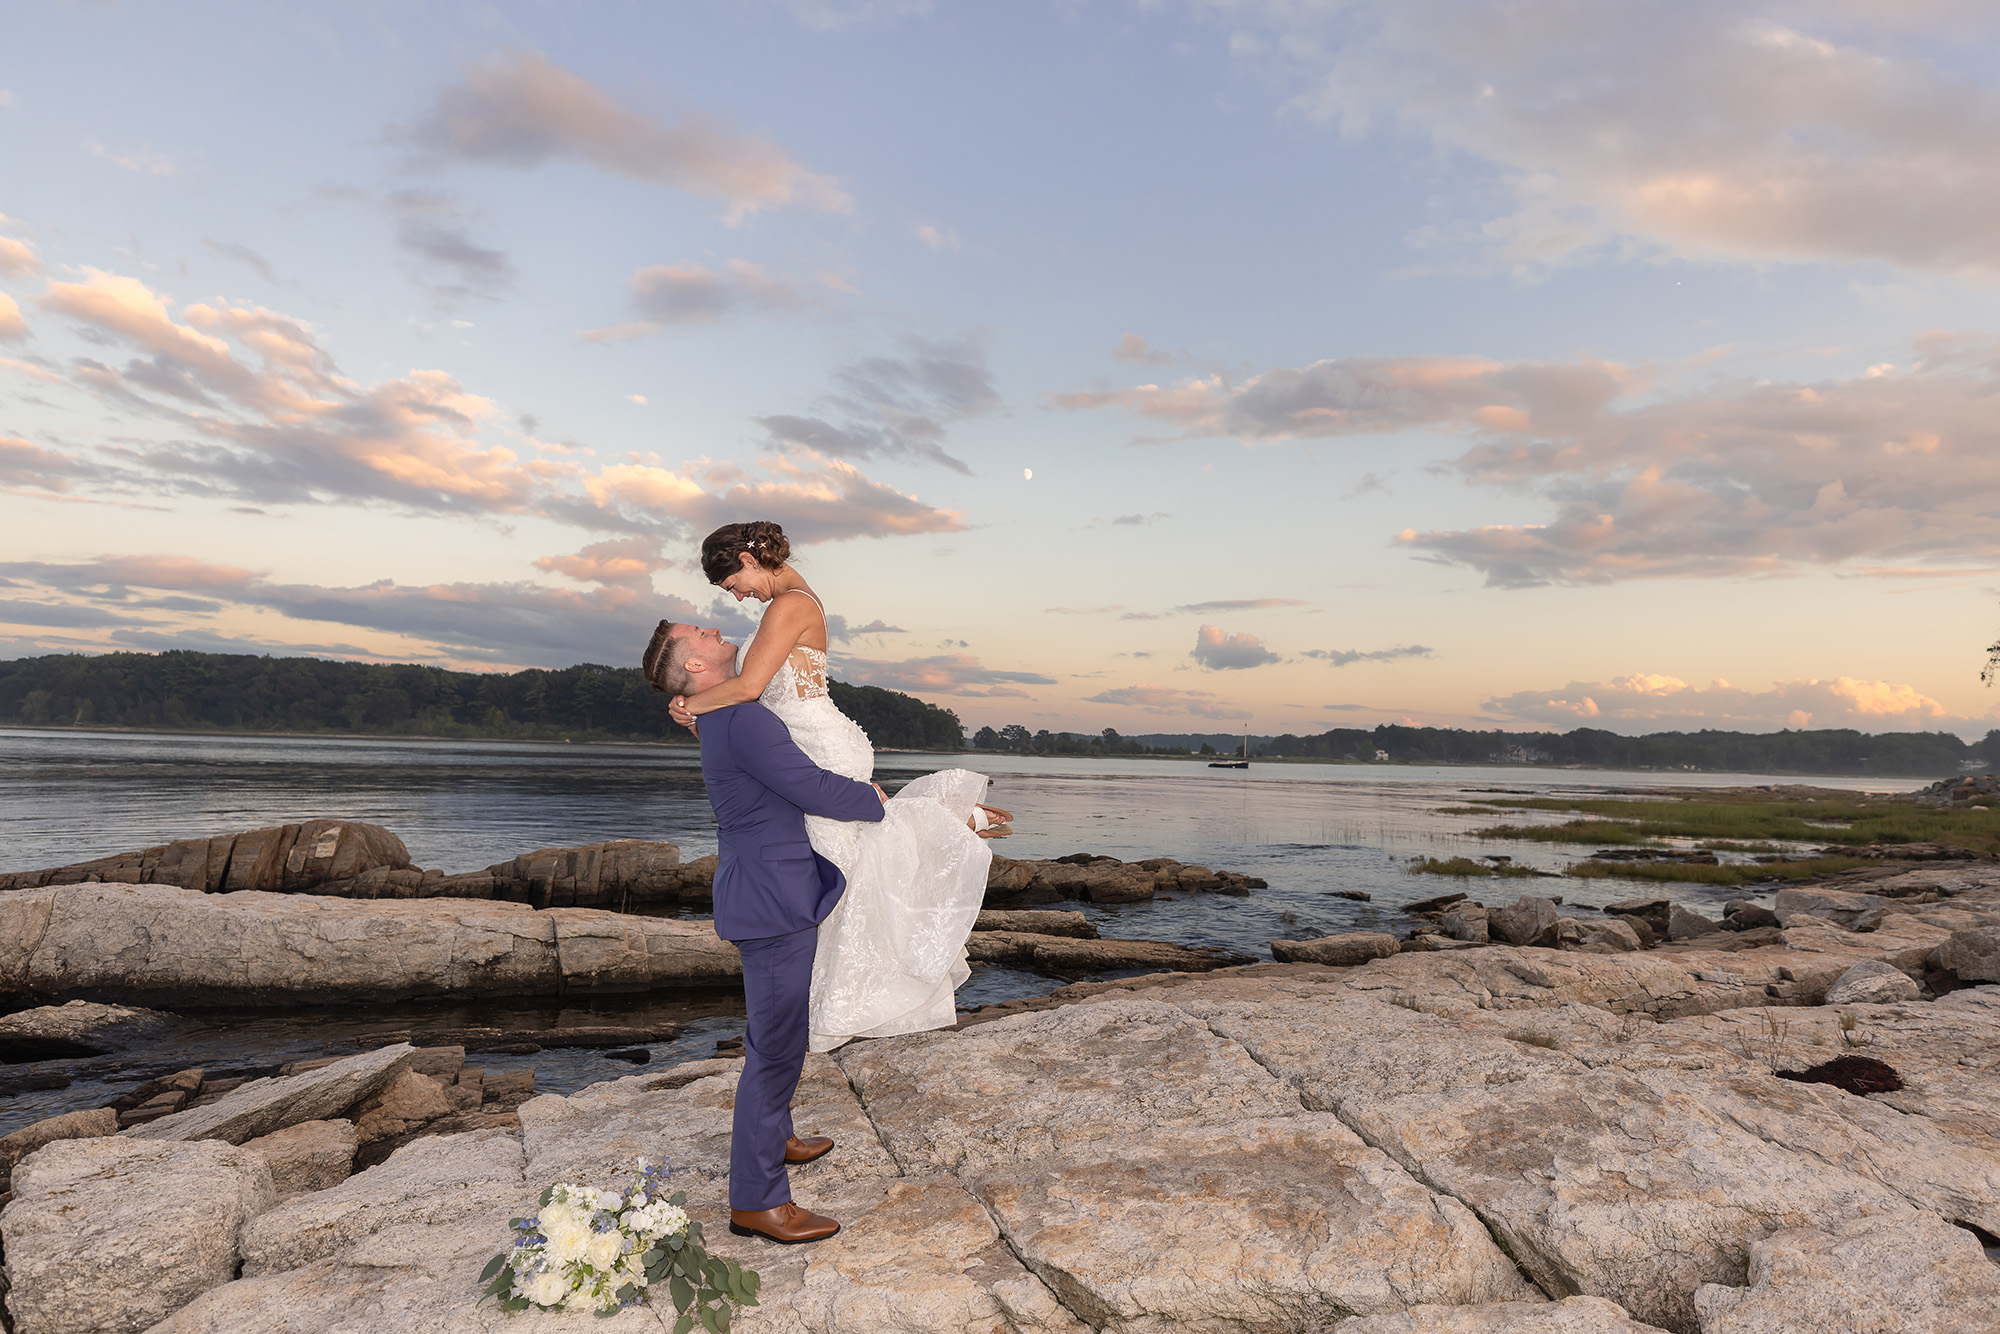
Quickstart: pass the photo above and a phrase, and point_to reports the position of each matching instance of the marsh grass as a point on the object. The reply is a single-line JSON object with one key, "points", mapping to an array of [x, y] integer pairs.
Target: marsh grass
{"points": [[1462, 867], [1747, 821], [1730, 873]]}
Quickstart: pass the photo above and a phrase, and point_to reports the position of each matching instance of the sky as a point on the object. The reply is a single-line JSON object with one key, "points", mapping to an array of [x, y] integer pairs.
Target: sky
{"points": [[1164, 365]]}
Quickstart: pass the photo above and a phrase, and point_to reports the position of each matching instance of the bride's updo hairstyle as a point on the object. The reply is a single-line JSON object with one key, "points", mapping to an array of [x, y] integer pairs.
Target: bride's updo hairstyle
{"points": [[722, 550]]}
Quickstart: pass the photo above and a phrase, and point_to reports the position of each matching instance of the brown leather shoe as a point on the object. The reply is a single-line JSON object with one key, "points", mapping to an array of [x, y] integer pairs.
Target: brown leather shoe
{"points": [[787, 1224], [805, 1150]]}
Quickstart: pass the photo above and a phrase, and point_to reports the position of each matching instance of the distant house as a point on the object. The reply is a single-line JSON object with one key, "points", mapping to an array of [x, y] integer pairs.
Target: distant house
{"points": [[1971, 766], [1381, 754]]}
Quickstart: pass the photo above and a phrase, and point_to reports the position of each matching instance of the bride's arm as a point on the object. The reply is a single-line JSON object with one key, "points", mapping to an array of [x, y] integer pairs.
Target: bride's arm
{"points": [[776, 638]]}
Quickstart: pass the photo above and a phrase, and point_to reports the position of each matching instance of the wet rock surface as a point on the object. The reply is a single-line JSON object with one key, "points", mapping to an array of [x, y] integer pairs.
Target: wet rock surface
{"points": [[1502, 1138]]}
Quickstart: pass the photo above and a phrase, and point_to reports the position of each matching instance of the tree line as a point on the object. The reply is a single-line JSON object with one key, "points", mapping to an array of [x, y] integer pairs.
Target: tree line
{"points": [[1832, 751], [188, 691]]}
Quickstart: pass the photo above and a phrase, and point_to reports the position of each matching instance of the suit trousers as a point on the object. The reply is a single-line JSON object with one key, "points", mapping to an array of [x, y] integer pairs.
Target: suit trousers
{"points": [[777, 983]]}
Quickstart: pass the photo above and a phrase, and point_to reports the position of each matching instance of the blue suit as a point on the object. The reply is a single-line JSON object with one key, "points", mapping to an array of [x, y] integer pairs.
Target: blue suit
{"points": [[771, 892]]}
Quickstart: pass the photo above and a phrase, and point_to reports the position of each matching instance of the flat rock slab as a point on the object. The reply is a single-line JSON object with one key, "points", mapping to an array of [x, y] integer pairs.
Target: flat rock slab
{"points": [[1280, 1147], [1614, 1157], [1572, 1315], [80, 1028], [1150, 1172], [1340, 951], [266, 1105], [156, 944], [111, 1235], [1911, 1272], [1067, 954], [429, 1182]]}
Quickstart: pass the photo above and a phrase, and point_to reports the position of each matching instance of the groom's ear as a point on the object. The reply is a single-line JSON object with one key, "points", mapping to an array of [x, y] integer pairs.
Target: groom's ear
{"points": [[694, 665]]}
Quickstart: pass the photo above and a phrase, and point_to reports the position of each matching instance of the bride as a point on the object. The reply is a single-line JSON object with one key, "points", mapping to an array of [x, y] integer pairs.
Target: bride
{"points": [[892, 952]]}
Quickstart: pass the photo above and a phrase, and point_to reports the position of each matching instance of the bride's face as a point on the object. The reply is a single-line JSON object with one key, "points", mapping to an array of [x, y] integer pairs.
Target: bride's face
{"points": [[751, 580]]}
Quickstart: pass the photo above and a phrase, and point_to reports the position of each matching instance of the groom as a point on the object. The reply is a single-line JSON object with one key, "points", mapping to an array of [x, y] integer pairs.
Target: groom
{"points": [[771, 892]]}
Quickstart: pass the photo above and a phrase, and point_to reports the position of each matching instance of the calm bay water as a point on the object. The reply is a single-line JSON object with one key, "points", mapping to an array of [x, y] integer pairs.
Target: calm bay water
{"points": [[1308, 829]]}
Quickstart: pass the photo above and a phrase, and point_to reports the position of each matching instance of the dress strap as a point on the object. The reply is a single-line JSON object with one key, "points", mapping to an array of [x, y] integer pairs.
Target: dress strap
{"points": [[816, 602]]}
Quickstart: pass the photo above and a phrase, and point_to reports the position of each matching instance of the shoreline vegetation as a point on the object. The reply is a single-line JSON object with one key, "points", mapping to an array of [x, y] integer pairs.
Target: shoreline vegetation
{"points": [[1774, 835], [186, 692]]}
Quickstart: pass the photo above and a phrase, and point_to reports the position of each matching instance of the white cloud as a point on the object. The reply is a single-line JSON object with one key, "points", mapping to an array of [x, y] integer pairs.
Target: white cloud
{"points": [[294, 428], [947, 674], [1899, 465], [1654, 702], [12, 327], [1218, 650], [896, 407], [1346, 657], [939, 238], [1237, 604], [518, 110], [1162, 699], [17, 258], [1768, 131], [1132, 347], [501, 624], [667, 294]]}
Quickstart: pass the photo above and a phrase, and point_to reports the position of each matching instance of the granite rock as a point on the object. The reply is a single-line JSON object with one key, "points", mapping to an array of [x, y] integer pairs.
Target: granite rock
{"points": [[158, 944], [1972, 953], [1341, 951], [309, 1156], [88, 1124], [1527, 921], [1683, 924], [407, 1102], [1872, 982], [80, 1028], [1571, 1315], [1909, 1272], [265, 1105], [110, 1235], [1150, 1172], [430, 1182]]}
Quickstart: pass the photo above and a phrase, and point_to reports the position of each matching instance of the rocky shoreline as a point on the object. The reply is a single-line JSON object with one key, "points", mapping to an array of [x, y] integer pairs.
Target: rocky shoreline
{"points": [[1525, 1117], [333, 912], [1499, 1139]]}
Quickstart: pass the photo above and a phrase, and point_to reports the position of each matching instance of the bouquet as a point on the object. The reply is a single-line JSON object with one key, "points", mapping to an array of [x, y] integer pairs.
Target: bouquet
{"points": [[591, 1250]]}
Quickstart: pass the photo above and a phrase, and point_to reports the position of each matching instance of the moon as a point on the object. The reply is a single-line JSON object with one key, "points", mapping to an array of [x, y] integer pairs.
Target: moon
{"points": [[1027, 474]]}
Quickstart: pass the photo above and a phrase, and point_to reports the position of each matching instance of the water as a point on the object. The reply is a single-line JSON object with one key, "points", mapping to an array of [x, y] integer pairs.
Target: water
{"points": [[1306, 828]]}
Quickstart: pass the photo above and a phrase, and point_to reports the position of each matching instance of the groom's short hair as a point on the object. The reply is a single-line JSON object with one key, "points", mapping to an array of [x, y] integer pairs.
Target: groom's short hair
{"points": [[662, 662]]}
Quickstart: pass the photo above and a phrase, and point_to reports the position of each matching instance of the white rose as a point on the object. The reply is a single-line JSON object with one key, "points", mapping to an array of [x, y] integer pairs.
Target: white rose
{"points": [[547, 1288], [604, 1250], [567, 1234], [669, 1220]]}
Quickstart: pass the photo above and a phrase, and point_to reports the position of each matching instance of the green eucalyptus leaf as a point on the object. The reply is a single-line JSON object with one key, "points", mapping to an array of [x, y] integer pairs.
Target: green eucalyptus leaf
{"points": [[548, 1193], [709, 1321], [684, 1324], [493, 1266], [683, 1293]]}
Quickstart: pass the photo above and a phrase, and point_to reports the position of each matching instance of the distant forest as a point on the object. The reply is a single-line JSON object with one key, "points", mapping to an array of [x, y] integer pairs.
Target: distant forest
{"points": [[1902, 754], [241, 693]]}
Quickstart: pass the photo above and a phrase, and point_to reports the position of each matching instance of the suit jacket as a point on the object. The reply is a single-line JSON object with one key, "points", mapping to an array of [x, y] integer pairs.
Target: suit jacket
{"points": [[768, 880]]}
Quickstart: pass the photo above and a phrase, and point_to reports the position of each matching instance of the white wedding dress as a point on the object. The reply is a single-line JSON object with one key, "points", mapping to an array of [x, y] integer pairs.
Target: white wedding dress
{"points": [[892, 952]]}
